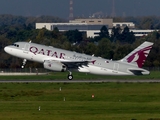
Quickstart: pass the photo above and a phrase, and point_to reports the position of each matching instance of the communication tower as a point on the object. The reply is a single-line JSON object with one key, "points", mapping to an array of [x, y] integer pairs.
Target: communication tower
{"points": [[113, 9], [71, 10]]}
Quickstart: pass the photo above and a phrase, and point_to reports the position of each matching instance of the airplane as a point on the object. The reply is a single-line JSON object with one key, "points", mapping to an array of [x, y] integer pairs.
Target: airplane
{"points": [[61, 60]]}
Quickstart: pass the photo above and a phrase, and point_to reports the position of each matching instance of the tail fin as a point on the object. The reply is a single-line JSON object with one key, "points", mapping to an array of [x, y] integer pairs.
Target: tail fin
{"points": [[138, 56]]}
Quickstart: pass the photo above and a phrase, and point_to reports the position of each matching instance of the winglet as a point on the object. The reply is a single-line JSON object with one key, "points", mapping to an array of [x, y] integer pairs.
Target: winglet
{"points": [[138, 56]]}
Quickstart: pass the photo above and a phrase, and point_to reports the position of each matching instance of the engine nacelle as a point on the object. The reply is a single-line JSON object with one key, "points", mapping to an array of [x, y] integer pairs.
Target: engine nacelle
{"points": [[54, 65]]}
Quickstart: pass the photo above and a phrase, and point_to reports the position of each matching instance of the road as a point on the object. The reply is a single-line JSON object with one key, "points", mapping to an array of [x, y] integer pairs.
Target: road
{"points": [[79, 81]]}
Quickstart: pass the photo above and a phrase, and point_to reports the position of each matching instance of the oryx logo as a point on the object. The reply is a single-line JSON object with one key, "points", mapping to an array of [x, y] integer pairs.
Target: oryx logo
{"points": [[140, 56]]}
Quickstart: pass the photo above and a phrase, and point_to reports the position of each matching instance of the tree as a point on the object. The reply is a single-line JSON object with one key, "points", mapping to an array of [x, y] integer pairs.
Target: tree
{"points": [[105, 49], [115, 34], [74, 36], [127, 36], [103, 34]]}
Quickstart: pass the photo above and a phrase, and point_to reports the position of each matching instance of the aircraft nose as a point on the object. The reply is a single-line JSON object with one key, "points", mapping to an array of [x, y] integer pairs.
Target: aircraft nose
{"points": [[7, 49]]}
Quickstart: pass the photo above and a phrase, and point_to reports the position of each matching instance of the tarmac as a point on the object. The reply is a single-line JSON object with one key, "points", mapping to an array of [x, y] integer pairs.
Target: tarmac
{"points": [[19, 73]]}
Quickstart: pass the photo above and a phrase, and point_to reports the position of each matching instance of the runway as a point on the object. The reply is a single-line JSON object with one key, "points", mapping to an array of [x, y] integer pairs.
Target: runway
{"points": [[79, 81]]}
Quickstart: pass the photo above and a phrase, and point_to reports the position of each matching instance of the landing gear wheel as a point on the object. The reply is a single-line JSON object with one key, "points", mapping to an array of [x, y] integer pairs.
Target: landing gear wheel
{"points": [[70, 77]]}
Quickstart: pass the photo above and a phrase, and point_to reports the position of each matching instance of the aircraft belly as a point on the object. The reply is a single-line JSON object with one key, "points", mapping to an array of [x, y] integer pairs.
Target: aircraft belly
{"points": [[104, 71]]}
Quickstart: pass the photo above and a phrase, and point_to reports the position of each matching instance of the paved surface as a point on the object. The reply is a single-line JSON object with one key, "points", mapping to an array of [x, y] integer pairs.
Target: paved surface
{"points": [[19, 73], [79, 81]]}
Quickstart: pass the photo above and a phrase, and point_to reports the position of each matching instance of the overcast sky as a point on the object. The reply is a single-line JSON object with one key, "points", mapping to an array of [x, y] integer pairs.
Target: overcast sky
{"points": [[60, 8]]}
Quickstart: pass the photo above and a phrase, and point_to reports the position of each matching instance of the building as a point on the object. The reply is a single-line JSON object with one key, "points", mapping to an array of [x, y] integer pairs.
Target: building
{"points": [[92, 26], [140, 33], [93, 21], [79, 24], [137, 33], [122, 25], [69, 26]]}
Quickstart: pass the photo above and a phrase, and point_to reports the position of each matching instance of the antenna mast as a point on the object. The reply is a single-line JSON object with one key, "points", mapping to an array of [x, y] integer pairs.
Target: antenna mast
{"points": [[71, 10], [113, 9]]}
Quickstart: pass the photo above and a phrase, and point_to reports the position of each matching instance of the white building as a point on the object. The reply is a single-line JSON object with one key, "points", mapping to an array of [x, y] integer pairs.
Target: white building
{"points": [[92, 26], [94, 21], [137, 33], [130, 25]]}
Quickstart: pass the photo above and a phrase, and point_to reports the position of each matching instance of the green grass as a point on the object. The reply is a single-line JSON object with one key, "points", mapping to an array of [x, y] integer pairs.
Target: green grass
{"points": [[112, 101], [79, 76]]}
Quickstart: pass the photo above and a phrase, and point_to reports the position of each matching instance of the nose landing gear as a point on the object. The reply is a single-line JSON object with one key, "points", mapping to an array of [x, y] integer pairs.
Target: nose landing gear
{"points": [[24, 63]]}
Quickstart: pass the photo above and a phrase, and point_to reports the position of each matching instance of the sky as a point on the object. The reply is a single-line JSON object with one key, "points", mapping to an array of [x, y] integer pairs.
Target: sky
{"points": [[81, 8]]}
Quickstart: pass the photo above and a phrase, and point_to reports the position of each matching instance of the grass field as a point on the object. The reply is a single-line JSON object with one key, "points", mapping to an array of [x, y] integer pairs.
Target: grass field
{"points": [[74, 101]]}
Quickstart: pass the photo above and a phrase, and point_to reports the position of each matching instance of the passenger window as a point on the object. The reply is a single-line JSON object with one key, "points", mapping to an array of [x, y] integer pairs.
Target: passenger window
{"points": [[16, 45]]}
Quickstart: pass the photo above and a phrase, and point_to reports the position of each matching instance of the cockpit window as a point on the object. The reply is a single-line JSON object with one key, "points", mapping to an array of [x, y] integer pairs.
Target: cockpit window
{"points": [[16, 45]]}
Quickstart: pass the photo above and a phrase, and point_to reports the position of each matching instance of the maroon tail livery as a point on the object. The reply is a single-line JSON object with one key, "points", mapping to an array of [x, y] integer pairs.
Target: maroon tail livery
{"points": [[138, 56]]}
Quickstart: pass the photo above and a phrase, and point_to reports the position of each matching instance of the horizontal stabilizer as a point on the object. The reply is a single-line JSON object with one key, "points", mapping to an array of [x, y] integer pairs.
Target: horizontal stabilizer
{"points": [[139, 71]]}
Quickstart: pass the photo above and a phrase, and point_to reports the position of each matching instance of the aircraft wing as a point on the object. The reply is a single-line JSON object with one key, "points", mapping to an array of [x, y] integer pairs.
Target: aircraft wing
{"points": [[57, 65], [75, 64]]}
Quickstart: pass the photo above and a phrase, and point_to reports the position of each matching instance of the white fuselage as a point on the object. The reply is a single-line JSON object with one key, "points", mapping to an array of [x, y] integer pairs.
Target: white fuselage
{"points": [[40, 53]]}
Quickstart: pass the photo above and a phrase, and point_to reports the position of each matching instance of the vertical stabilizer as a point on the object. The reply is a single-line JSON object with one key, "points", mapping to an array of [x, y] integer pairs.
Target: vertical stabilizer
{"points": [[138, 56]]}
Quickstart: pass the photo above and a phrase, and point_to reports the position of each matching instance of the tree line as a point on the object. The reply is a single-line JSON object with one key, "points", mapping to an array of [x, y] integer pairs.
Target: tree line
{"points": [[114, 46]]}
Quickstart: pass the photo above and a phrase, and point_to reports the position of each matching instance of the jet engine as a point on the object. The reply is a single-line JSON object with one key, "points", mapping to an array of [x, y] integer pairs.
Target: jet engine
{"points": [[54, 65]]}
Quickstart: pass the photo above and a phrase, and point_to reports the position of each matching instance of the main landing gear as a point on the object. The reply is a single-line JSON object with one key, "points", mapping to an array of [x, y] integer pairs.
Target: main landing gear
{"points": [[70, 76]]}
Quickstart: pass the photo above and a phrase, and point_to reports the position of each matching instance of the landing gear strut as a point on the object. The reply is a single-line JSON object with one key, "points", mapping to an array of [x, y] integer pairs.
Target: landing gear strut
{"points": [[70, 76], [23, 63]]}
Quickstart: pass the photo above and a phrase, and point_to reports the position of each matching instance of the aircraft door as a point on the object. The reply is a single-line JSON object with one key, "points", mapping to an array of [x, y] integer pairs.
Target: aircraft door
{"points": [[116, 67], [26, 48]]}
